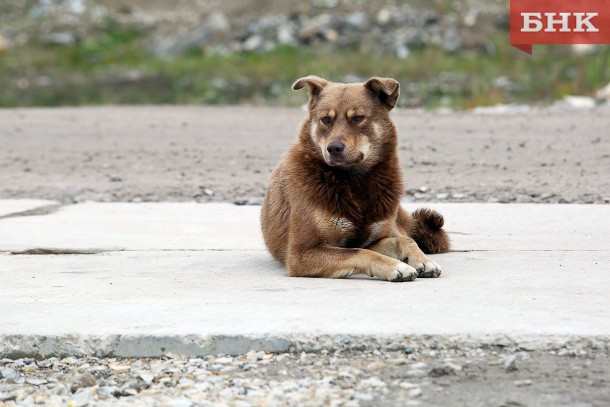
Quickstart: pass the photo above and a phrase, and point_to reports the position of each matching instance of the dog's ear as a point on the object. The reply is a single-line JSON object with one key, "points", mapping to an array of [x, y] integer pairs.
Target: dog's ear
{"points": [[386, 89], [315, 84]]}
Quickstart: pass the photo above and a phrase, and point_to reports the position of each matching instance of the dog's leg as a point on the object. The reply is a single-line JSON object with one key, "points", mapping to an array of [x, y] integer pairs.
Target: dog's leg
{"points": [[405, 249], [336, 262]]}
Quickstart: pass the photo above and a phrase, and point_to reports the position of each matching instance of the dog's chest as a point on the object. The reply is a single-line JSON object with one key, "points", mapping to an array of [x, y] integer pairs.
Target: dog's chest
{"points": [[344, 232]]}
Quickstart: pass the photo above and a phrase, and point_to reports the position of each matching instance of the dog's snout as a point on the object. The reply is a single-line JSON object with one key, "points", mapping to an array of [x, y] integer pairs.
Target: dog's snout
{"points": [[335, 148]]}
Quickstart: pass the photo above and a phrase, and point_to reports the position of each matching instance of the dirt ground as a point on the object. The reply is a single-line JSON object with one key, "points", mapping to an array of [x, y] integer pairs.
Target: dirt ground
{"points": [[227, 153]]}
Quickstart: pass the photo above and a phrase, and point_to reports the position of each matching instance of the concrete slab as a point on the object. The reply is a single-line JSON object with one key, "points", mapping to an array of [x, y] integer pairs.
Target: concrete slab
{"points": [[192, 226], [247, 293], [194, 279], [10, 207]]}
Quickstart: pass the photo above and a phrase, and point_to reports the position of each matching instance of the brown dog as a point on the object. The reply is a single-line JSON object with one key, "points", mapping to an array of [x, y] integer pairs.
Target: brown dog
{"points": [[333, 206]]}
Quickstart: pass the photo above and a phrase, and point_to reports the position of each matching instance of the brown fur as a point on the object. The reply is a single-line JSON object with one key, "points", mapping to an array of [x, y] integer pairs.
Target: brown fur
{"points": [[328, 215]]}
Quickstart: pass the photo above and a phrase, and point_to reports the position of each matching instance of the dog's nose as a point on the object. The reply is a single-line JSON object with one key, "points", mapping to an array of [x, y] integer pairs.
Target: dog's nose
{"points": [[335, 148]]}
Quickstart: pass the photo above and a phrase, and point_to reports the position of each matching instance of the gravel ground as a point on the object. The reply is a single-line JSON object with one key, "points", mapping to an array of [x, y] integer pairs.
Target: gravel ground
{"points": [[429, 371], [227, 153]]}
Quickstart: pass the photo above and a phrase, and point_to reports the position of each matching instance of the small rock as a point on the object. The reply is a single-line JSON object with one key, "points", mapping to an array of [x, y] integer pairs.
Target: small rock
{"points": [[81, 398], [224, 360], [345, 375], [253, 43], [445, 370], [510, 363], [313, 26], [376, 366], [85, 380], [282, 357], [523, 383], [183, 402], [357, 19], [147, 378], [207, 192], [7, 373], [251, 356], [8, 396], [576, 103], [115, 178], [363, 396], [524, 198], [260, 355], [418, 366], [502, 342], [119, 368], [384, 16], [416, 392], [442, 195], [373, 382], [409, 351], [458, 195], [35, 382]]}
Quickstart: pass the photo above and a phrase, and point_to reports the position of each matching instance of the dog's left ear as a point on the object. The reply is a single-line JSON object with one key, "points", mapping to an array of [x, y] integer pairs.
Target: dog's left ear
{"points": [[386, 89]]}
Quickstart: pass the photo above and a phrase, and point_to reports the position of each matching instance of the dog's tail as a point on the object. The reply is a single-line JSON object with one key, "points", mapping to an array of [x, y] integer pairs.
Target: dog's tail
{"points": [[428, 231]]}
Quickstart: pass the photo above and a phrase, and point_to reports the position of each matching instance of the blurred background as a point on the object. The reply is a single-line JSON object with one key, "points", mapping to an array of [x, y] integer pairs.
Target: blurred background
{"points": [[447, 54]]}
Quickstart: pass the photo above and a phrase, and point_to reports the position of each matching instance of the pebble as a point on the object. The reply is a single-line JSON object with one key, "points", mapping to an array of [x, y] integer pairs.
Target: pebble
{"points": [[524, 198], [523, 383], [510, 363], [147, 378], [35, 382]]}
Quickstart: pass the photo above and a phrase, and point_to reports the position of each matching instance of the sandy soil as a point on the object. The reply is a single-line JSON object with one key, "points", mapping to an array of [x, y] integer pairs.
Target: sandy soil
{"points": [[227, 153]]}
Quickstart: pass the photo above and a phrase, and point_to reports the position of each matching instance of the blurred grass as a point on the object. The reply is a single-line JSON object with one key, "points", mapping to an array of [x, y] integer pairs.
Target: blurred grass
{"points": [[112, 67]]}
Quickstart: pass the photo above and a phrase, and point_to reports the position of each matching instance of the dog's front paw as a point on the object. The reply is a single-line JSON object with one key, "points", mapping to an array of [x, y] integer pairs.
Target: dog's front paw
{"points": [[402, 272], [425, 267]]}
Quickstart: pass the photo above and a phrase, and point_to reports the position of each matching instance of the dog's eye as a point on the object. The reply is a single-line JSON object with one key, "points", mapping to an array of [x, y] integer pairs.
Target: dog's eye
{"points": [[358, 119], [326, 120]]}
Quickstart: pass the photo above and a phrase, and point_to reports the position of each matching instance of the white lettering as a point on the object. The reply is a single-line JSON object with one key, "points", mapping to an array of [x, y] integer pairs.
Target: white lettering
{"points": [[580, 22], [551, 21], [528, 21]]}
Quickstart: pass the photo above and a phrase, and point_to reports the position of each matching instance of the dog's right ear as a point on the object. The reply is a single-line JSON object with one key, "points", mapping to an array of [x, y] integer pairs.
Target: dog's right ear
{"points": [[315, 84]]}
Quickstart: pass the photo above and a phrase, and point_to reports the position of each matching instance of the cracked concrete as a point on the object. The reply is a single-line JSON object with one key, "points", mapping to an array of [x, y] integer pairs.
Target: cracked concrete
{"points": [[24, 207], [174, 276]]}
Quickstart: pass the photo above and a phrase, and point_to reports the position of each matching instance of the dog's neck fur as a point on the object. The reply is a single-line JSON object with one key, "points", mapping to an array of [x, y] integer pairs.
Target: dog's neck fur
{"points": [[362, 193]]}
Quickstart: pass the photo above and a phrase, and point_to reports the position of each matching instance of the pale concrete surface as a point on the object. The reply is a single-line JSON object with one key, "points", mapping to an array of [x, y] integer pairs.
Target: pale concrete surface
{"points": [[192, 226], [187, 272]]}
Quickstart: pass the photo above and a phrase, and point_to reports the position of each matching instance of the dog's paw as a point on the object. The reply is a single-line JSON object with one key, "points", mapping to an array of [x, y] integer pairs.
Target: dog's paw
{"points": [[429, 270], [425, 268], [403, 272]]}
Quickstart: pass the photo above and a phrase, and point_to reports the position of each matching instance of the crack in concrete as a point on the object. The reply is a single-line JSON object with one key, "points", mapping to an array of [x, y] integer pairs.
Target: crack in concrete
{"points": [[40, 211], [47, 251]]}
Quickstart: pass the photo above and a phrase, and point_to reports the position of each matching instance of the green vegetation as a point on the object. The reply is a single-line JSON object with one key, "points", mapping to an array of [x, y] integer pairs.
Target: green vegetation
{"points": [[112, 66]]}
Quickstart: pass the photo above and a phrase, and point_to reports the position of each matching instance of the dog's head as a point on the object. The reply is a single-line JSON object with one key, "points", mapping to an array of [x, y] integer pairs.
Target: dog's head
{"points": [[350, 123]]}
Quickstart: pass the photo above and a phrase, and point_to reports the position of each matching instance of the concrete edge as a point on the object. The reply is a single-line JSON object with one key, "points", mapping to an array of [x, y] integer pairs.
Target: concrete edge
{"points": [[78, 345]]}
